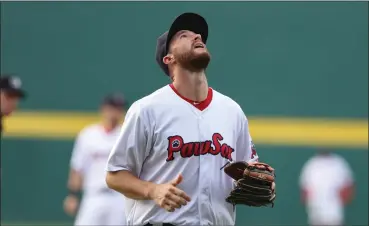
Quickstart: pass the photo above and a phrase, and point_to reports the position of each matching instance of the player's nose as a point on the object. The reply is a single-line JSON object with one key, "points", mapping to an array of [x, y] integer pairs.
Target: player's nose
{"points": [[197, 37]]}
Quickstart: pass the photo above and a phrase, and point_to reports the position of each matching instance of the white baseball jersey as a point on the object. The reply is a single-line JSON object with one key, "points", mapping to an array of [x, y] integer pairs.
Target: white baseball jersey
{"points": [[323, 177], [100, 205], [164, 135], [90, 153]]}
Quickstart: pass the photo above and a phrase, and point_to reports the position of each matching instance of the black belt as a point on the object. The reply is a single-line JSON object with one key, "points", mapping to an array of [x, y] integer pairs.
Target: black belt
{"points": [[163, 224]]}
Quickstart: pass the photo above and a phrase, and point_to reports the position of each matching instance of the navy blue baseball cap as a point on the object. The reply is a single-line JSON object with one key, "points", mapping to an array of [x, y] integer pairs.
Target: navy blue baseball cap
{"points": [[186, 21], [12, 85], [115, 100]]}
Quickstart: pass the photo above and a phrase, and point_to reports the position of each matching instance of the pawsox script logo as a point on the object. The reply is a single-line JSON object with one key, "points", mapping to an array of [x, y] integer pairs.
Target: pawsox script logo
{"points": [[187, 150]]}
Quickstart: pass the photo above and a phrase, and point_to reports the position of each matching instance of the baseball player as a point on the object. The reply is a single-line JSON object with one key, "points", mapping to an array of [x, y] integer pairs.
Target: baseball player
{"points": [[174, 142], [11, 93], [100, 205], [327, 185]]}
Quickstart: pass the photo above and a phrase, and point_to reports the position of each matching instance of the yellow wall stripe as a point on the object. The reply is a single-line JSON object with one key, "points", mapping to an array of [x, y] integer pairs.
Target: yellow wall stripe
{"points": [[264, 130]]}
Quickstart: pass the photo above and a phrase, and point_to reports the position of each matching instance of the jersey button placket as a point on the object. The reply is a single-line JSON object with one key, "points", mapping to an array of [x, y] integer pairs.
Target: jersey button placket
{"points": [[204, 175], [200, 168]]}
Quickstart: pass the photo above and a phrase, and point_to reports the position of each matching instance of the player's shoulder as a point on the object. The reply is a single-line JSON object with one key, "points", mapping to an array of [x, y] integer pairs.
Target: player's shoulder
{"points": [[339, 160], [89, 130], [334, 160], [227, 101], [310, 163], [154, 99]]}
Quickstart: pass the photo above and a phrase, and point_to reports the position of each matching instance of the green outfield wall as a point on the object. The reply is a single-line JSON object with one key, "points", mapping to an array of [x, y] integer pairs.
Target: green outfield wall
{"points": [[288, 60]]}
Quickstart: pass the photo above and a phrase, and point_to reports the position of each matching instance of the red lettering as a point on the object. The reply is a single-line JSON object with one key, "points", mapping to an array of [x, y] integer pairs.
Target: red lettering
{"points": [[175, 144], [216, 138], [187, 150], [196, 148], [229, 153], [224, 150], [205, 147]]}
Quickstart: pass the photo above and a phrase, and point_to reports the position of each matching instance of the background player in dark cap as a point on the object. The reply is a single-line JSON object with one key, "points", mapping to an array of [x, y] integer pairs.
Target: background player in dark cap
{"points": [[100, 205], [11, 93]]}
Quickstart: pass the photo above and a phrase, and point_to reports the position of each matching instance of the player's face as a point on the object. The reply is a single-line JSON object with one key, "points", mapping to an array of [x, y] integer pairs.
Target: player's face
{"points": [[9, 102], [189, 50], [112, 114]]}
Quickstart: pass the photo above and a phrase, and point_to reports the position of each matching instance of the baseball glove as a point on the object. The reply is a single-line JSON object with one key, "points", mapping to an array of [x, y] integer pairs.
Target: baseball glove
{"points": [[253, 184]]}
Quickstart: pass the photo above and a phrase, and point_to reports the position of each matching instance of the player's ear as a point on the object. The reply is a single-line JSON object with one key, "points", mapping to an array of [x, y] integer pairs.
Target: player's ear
{"points": [[168, 59]]}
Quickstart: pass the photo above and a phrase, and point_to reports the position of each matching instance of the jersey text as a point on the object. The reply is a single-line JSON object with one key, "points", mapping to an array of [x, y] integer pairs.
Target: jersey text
{"points": [[187, 150]]}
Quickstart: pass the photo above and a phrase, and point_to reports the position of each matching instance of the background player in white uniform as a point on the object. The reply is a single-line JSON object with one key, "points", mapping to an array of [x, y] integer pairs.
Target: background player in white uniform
{"points": [[327, 185], [100, 205], [173, 142]]}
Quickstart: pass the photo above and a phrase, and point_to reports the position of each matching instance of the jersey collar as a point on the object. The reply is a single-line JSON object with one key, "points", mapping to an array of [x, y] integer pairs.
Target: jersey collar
{"points": [[199, 105]]}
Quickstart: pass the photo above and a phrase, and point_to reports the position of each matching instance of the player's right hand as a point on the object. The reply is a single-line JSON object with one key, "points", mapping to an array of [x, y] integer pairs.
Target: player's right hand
{"points": [[70, 205], [168, 196]]}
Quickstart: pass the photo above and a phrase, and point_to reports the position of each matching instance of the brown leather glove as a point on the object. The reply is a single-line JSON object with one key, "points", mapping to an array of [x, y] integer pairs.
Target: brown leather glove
{"points": [[254, 184]]}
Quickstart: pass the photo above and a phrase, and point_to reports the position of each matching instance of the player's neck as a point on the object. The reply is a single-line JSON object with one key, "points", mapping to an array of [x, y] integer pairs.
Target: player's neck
{"points": [[192, 85], [108, 126]]}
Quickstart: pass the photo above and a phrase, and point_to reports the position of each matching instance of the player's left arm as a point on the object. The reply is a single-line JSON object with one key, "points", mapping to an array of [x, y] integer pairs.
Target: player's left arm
{"points": [[75, 179], [246, 168], [245, 148], [78, 164]]}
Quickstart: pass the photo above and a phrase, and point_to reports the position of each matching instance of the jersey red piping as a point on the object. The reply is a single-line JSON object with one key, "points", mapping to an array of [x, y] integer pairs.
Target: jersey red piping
{"points": [[199, 105]]}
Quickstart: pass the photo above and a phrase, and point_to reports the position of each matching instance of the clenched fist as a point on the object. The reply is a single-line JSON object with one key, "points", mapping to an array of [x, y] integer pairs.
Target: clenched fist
{"points": [[168, 196]]}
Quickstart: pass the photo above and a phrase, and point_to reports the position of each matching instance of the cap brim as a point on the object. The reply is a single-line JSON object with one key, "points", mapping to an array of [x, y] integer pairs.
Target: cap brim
{"points": [[16, 92], [188, 21]]}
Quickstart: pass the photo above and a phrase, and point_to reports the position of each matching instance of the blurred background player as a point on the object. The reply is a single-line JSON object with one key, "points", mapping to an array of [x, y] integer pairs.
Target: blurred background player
{"points": [[327, 185], [11, 93], [100, 205]]}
